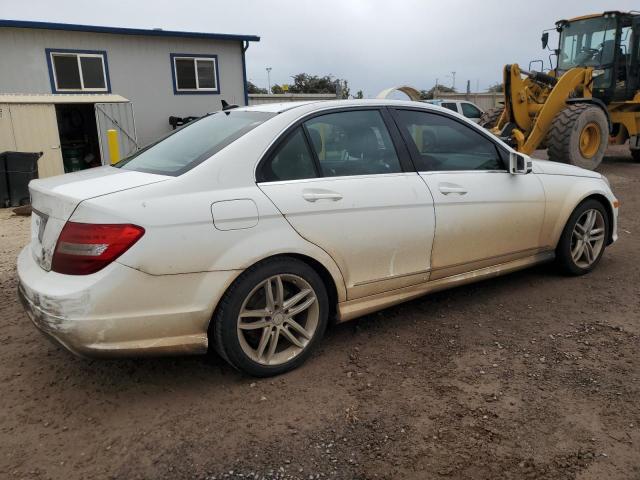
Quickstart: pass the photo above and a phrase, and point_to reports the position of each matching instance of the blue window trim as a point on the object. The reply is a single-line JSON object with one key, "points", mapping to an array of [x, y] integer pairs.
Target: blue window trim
{"points": [[172, 56], [245, 46], [49, 51]]}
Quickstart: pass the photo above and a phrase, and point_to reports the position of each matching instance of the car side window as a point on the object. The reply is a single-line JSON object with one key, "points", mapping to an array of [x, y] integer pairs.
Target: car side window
{"points": [[291, 161], [444, 144], [352, 143], [470, 111], [450, 106]]}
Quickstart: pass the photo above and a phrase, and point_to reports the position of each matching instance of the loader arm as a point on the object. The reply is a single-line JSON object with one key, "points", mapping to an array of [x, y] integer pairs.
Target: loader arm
{"points": [[531, 103]]}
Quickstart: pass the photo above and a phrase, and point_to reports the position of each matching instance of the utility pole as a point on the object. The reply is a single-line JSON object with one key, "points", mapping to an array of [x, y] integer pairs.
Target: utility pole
{"points": [[453, 82], [435, 90], [269, 78]]}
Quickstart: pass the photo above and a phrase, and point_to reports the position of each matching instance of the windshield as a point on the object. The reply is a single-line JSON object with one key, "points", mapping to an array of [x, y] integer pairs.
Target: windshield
{"points": [[587, 43], [194, 143]]}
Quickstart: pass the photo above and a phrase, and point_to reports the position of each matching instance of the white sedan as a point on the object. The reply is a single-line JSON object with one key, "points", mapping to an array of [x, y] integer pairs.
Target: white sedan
{"points": [[248, 230]]}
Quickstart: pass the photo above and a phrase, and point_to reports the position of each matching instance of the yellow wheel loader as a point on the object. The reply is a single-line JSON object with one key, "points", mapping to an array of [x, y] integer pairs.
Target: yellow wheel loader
{"points": [[589, 100]]}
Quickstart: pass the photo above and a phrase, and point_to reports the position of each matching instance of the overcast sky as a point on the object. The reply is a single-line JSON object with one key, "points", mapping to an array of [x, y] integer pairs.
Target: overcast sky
{"points": [[373, 44]]}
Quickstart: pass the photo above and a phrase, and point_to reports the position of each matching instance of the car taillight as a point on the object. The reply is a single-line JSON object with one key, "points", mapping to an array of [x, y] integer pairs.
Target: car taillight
{"points": [[85, 248]]}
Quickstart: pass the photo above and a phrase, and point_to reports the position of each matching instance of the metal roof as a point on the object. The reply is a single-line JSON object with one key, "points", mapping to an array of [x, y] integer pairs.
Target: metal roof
{"points": [[60, 98], [155, 32]]}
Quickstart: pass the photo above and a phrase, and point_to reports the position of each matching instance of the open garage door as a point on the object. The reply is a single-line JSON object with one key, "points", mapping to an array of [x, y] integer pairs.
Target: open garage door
{"points": [[117, 116]]}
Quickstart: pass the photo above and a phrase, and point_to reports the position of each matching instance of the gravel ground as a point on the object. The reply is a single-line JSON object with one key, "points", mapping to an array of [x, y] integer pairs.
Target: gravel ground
{"points": [[532, 375]]}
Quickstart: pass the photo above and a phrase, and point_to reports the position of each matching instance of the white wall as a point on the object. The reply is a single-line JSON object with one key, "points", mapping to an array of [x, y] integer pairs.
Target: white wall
{"points": [[139, 69]]}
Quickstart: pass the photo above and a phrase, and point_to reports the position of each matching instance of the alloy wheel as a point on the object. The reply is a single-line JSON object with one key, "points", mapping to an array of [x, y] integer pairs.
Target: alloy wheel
{"points": [[278, 319], [587, 239]]}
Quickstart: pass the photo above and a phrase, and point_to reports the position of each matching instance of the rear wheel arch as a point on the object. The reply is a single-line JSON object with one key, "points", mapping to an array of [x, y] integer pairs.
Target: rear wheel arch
{"points": [[327, 278], [234, 339]]}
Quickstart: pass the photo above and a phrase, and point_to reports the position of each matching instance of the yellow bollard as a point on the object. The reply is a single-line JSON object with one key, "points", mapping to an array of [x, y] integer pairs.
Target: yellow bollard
{"points": [[114, 146]]}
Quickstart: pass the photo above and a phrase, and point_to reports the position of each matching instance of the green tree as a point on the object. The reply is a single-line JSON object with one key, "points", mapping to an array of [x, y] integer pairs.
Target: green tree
{"points": [[497, 87], [277, 89], [359, 94], [305, 83], [252, 88], [428, 94]]}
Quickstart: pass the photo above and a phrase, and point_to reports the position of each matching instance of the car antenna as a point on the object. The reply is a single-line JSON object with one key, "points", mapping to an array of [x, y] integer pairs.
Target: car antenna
{"points": [[227, 106]]}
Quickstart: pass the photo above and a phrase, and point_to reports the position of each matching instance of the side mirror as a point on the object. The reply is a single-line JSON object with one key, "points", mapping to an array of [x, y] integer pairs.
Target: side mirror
{"points": [[519, 164], [545, 40]]}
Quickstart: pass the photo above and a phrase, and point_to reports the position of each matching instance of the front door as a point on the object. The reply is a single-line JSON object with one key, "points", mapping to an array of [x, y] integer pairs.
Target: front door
{"points": [[339, 181], [484, 215]]}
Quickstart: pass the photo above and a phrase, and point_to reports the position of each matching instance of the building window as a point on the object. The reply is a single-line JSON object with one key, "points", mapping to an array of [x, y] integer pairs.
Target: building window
{"points": [[195, 73], [78, 71]]}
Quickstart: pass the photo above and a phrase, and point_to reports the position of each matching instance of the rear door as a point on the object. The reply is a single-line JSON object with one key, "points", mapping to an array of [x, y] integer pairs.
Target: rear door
{"points": [[119, 117], [346, 186], [484, 215]]}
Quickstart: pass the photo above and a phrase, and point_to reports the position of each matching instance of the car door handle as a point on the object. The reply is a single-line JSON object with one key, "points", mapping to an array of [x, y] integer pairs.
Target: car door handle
{"points": [[447, 189], [315, 195]]}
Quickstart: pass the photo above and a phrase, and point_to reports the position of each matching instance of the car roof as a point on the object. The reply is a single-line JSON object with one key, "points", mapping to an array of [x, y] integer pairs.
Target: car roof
{"points": [[441, 100], [324, 104]]}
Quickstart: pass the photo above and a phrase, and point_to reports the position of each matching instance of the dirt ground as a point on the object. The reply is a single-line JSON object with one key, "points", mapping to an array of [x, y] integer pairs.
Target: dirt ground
{"points": [[532, 375]]}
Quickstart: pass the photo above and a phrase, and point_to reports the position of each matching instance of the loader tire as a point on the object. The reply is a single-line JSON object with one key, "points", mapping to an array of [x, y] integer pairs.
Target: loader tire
{"points": [[635, 155], [579, 135], [490, 118]]}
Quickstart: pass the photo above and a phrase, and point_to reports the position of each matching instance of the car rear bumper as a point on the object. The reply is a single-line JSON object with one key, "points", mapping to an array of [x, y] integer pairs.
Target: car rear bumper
{"points": [[120, 311]]}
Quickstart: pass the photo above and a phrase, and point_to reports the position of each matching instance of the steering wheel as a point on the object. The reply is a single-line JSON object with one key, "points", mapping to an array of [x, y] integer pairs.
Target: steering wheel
{"points": [[585, 54], [592, 51]]}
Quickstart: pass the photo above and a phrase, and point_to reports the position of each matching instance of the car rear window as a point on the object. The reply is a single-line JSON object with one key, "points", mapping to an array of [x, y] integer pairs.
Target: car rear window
{"points": [[183, 149]]}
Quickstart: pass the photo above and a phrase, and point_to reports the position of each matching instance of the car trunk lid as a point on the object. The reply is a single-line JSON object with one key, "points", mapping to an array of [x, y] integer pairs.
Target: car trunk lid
{"points": [[55, 199]]}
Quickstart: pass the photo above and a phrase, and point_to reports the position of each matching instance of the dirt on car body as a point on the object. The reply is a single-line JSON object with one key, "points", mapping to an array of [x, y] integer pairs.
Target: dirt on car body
{"points": [[532, 375]]}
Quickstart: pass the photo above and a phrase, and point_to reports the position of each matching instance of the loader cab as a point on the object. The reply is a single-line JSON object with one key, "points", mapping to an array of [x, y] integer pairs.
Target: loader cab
{"points": [[608, 43]]}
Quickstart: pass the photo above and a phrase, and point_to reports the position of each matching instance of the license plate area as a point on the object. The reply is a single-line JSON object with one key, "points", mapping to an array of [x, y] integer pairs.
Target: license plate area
{"points": [[38, 225], [43, 237]]}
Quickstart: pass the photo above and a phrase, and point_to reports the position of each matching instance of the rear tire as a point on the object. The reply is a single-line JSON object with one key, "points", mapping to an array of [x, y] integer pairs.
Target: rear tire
{"points": [[635, 155], [281, 303], [580, 249], [489, 118], [579, 135]]}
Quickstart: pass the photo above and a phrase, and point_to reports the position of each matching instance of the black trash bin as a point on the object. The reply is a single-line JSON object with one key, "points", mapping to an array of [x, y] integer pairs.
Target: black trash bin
{"points": [[17, 169]]}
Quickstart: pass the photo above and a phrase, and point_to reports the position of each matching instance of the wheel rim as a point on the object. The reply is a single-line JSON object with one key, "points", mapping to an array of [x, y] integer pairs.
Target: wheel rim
{"points": [[590, 140], [587, 239], [278, 319]]}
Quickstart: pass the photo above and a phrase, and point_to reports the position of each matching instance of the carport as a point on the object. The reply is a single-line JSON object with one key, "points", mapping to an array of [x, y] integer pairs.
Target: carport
{"points": [[69, 130]]}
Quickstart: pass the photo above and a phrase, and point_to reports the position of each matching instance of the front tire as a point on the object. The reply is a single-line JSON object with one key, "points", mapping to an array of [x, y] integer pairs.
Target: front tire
{"points": [[579, 135], [583, 239], [271, 318]]}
